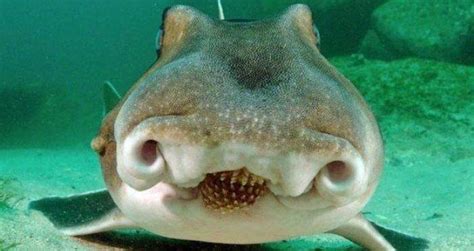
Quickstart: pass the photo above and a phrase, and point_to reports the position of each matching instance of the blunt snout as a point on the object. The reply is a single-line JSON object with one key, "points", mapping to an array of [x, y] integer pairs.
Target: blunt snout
{"points": [[158, 150]]}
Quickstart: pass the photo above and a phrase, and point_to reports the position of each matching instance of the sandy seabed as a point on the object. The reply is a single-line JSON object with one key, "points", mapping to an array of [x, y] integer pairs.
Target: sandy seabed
{"points": [[428, 196]]}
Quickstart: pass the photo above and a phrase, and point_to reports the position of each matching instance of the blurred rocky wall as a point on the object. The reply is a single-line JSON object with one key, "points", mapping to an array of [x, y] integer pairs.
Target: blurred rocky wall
{"points": [[441, 29]]}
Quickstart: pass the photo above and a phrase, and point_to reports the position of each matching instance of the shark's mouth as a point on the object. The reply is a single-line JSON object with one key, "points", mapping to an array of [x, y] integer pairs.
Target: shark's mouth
{"points": [[231, 190]]}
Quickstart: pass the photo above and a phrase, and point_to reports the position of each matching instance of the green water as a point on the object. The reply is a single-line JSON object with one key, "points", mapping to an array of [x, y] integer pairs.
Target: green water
{"points": [[411, 60]]}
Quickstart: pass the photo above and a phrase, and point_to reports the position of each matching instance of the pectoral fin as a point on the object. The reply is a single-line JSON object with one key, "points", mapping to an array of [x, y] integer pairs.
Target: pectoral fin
{"points": [[82, 214], [110, 96], [376, 237], [402, 241]]}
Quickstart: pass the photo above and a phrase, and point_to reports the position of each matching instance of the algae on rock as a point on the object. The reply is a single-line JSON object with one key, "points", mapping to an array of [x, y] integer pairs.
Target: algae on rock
{"points": [[442, 30], [418, 98]]}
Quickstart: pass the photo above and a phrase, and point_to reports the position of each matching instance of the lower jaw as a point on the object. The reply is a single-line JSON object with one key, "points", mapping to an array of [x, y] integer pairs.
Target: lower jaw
{"points": [[310, 200], [180, 218]]}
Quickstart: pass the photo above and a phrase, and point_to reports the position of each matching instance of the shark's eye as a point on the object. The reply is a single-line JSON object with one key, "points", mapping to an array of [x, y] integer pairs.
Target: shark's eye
{"points": [[160, 33], [318, 37], [158, 41]]}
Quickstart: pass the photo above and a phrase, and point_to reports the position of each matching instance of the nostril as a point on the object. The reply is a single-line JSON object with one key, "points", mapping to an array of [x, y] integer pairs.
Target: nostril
{"points": [[342, 181], [338, 171], [141, 163], [149, 152]]}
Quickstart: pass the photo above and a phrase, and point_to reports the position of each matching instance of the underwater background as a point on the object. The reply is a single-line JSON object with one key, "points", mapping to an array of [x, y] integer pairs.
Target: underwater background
{"points": [[413, 61]]}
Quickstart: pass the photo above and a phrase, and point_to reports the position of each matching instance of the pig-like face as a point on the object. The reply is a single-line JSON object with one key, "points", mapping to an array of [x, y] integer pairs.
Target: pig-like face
{"points": [[240, 133]]}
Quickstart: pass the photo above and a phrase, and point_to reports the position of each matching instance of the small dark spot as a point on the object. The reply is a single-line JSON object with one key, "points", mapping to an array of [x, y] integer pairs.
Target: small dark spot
{"points": [[429, 76], [213, 143], [73, 187], [102, 152], [207, 132], [251, 74], [338, 171], [435, 216], [358, 59]]}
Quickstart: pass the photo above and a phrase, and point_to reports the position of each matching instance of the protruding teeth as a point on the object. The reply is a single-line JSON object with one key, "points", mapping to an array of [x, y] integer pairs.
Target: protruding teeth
{"points": [[244, 181], [252, 181], [231, 190]]}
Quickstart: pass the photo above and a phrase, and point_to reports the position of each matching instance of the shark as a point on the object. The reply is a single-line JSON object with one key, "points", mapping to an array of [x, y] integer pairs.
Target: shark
{"points": [[241, 132]]}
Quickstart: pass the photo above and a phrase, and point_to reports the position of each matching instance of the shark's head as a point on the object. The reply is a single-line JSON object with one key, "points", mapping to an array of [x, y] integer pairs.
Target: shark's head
{"points": [[239, 128]]}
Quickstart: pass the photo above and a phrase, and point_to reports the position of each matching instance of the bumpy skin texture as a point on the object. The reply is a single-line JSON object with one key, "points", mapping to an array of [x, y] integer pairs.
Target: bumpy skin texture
{"points": [[261, 83]]}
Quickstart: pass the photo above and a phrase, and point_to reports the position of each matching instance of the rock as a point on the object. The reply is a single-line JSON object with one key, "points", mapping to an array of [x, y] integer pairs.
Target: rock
{"points": [[442, 30], [372, 47], [342, 23]]}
